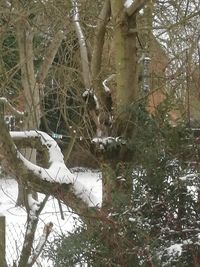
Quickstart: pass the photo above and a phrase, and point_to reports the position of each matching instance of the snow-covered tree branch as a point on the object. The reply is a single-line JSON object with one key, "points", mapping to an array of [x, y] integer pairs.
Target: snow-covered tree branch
{"points": [[56, 179]]}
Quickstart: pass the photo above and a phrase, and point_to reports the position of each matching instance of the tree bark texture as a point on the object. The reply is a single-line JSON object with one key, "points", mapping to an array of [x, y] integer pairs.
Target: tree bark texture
{"points": [[2, 241], [30, 87], [125, 56], [11, 162], [98, 52]]}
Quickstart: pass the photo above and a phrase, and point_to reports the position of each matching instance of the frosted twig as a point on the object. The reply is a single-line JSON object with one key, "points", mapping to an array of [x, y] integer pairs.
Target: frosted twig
{"points": [[106, 88]]}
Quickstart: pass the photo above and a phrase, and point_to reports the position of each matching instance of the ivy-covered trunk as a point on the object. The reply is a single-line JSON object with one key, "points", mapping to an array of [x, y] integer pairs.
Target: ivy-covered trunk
{"points": [[117, 185]]}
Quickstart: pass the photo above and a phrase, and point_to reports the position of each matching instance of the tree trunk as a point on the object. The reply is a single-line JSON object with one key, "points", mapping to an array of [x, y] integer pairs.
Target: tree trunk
{"points": [[98, 52], [125, 57], [28, 241], [30, 89], [117, 183], [2, 241]]}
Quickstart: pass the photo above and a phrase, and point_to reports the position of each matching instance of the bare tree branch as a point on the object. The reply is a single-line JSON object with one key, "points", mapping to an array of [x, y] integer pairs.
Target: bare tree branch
{"points": [[67, 189], [16, 112], [180, 22], [42, 241], [49, 57], [34, 209], [99, 39], [82, 43]]}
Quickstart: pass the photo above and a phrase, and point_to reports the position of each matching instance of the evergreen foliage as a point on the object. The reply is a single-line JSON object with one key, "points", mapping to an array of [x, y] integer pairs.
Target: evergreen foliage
{"points": [[160, 225]]}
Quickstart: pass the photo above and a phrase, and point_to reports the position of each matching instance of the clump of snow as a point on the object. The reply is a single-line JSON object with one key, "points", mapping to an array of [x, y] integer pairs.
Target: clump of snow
{"points": [[141, 11], [33, 204], [88, 185], [175, 250], [128, 3], [131, 219], [102, 142], [190, 176], [90, 93]]}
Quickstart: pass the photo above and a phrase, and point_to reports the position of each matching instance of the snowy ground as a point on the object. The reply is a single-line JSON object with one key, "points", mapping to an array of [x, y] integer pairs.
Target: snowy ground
{"points": [[16, 216]]}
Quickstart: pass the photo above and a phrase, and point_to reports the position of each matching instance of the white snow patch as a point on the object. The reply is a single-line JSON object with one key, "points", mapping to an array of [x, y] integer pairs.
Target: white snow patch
{"points": [[128, 3], [16, 216], [190, 176], [131, 219], [89, 186], [175, 250], [33, 204]]}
